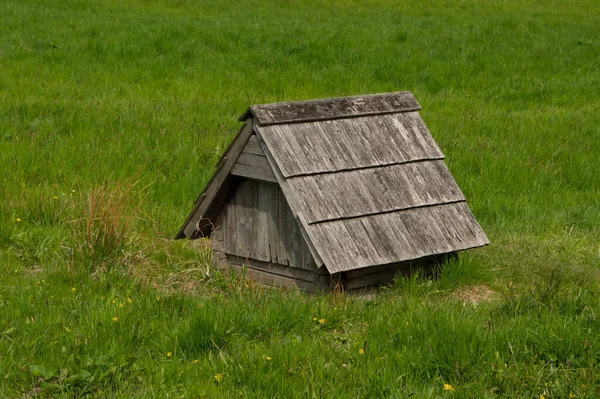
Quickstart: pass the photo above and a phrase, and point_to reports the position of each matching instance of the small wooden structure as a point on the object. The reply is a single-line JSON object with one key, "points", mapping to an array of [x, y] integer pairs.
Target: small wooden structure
{"points": [[335, 191]]}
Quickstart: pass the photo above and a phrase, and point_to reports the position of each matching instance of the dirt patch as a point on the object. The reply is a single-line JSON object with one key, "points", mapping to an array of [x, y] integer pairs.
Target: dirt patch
{"points": [[475, 294]]}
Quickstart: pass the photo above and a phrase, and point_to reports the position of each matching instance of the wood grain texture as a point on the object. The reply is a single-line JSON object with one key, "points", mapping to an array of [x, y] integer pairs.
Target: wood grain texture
{"points": [[332, 108], [253, 164], [348, 144], [256, 223], [397, 236], [289, 198], [362, 192], [271, 279]]}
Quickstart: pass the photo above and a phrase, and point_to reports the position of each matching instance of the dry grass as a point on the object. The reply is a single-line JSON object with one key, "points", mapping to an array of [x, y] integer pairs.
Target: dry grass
{"points": [[475, 294], [107, 214]]}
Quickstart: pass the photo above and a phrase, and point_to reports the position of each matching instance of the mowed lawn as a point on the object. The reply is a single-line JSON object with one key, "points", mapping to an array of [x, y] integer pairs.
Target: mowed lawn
{"points": [[113, 114]]}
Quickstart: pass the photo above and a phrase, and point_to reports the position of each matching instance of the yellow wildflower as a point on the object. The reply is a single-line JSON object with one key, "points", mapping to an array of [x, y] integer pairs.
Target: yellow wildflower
{"points": [[54, 197], [115, 318], [121, 304], [129, 300], [448, 387], [18, 220], [158, 298], [169, 354], [67, 329], [114, 300], [73, 289], [266, 357], [314, 319], [542, 397], [219, 377], [361, 351], [194, 361], [321, 321], [571, 395]]}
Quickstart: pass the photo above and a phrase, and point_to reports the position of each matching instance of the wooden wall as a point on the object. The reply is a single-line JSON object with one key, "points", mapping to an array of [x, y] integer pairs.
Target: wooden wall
{"points": [[256, 229], [256, 234]]}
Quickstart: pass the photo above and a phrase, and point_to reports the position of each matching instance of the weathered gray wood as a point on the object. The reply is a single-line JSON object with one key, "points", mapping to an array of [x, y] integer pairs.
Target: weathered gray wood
{"points": [[414, 233], [289, 199], [259, 225], [331, 108], [272, 279], [253, 160], [376, 190], [254, 173], [348, 144], [261, 205], [217, 190], [253, 164], [278, 269], [253, 147], [219, 260], [284, 217], [384, 274]]}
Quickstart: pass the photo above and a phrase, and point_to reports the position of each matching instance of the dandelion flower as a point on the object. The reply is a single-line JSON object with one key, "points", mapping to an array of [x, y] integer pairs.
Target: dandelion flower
{"points": [[266, 357], [448, 387], [73, 289], [169, 354], [361, 351], [114, 300], [194, 361], [115, 319], [571, 395], [314, 319], [18, 220], [542, 397], [321, 321], [218, 377]]}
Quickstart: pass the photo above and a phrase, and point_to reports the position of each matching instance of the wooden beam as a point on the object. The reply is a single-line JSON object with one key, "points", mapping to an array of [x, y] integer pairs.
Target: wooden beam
{"points": [[332, 108]]}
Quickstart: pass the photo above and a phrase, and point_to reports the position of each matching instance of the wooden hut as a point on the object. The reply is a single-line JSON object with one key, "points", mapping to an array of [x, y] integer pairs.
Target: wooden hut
{"points": [[343, 191]]}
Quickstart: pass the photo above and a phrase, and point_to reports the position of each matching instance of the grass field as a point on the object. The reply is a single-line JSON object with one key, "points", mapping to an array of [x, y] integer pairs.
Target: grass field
{"points": [[113, 114]]}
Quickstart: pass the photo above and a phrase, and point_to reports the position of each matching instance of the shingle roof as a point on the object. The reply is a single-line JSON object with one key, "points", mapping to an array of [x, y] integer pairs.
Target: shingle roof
{"points": [[366, 180]]}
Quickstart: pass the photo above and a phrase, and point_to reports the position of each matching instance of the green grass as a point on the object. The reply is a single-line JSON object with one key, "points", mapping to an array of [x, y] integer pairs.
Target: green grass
{"points": [[127, 105]]}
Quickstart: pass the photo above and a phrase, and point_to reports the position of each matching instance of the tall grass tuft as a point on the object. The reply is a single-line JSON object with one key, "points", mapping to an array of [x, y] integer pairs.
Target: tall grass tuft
{"points": [[102, 232]]}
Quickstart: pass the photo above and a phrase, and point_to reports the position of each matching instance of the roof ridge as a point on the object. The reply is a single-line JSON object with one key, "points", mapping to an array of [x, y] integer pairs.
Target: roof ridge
{"points": [[331, 108]]}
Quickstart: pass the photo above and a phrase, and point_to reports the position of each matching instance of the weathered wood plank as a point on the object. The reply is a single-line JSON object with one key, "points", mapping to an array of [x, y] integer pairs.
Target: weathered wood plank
{"points": [[330, 108], [347, 144], [215, 193], [219, 260], [253, 147], [261, 206], [376, 190], [272, 279], [254, 173], [289, 200], [282, 270], [253, 160], [413, 233]]}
